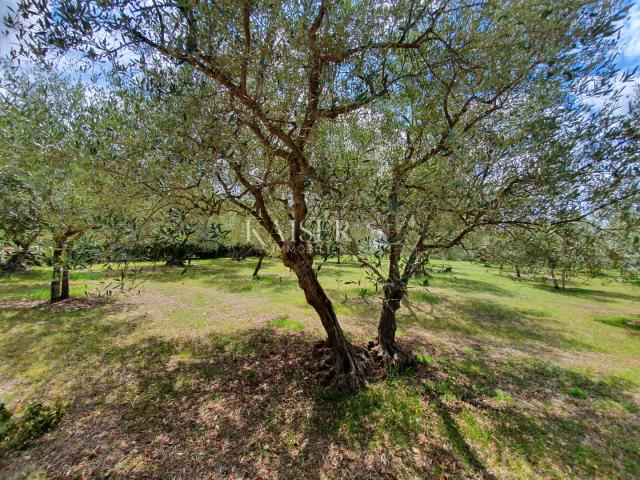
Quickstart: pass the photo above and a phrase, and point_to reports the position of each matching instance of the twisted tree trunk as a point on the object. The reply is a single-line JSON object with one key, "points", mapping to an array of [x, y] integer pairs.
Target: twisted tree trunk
{"points": [[257, 269], [387, 324], [385, 350], [342, 365]]}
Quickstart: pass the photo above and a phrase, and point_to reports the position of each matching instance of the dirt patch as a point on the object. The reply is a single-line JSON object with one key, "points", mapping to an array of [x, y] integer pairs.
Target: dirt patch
{"points": [[77, 304], [14, 304]]}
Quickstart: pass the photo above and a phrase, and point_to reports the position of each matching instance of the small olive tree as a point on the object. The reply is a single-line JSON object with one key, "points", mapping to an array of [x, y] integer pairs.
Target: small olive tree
{"points": [[45, 133]]}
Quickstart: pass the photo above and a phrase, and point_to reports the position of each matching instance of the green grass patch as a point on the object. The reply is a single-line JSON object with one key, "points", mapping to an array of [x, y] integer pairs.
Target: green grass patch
{"points": [[620, 321], [425, 359], [502, 396], [473, 428], [578, 392], [426, 297], [42, 293], [391, 411], [286, 323]]}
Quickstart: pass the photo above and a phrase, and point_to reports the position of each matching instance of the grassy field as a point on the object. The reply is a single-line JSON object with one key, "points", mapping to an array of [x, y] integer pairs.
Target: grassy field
{"points": [[205, 375]]}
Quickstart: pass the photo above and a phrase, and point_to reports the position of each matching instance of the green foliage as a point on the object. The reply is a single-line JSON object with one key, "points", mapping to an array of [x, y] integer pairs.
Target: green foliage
{"points": [[19, 209], [578, 392], [34, 420]]}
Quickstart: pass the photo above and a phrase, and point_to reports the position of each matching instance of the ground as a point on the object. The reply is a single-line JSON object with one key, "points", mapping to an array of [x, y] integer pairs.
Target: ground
{"points": [[206, 374]]}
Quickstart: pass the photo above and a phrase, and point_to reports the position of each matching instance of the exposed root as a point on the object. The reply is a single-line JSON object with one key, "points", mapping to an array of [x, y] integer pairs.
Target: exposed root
{"points": [[348, 375], [391, 356]]}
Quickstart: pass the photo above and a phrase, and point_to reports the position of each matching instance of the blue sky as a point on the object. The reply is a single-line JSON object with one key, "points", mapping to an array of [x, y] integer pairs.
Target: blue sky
{"points": [[628, 46]]}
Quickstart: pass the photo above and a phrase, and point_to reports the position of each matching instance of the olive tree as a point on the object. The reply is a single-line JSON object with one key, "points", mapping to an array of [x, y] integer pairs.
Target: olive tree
{"points": [[18, 217], [281, 71], [44, 145], [500, 143]]}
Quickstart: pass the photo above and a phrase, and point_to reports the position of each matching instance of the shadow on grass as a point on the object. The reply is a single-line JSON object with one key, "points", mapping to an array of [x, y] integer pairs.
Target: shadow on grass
{"points": [[524, 413], [457, 438], [222, 267], [478, 318], [467, 285], [37, 338], [588, 293], [627, 322], [227, 275], [236, 276], [247, 406]]}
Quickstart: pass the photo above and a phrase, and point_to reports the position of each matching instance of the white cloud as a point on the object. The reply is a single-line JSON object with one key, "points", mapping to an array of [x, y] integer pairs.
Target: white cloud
{"points": [[620, 96], [6, 41], [630, 36], [629, 50]]}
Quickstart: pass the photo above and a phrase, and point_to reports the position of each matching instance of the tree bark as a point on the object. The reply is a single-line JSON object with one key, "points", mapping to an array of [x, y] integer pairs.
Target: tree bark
{"points": [[176, 257], [172, 261], [342, 365], [64, 285], [257, 269], [61, 263], [385, 350], [57, 275], [387, 324]]}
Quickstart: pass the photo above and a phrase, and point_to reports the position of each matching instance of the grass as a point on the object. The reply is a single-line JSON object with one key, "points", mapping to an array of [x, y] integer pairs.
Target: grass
{"points": [[388, 412], [621, 321], [206, 373], [285, 322]]}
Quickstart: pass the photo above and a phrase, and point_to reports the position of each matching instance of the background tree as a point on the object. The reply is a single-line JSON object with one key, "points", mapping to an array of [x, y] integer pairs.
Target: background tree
{"points": [[45, 140], [558, 252], [18, 218]]}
